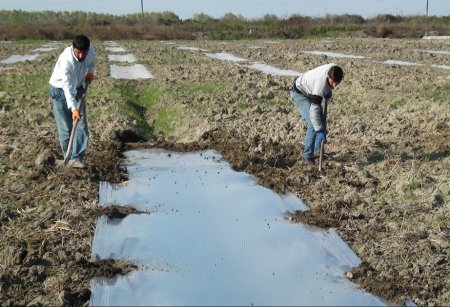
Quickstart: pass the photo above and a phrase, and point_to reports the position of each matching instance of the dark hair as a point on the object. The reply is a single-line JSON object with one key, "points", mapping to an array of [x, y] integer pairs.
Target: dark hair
{"points": [[81, 42], [336, 73]]}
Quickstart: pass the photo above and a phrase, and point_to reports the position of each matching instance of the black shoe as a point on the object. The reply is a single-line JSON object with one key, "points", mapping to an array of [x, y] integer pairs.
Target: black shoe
{"points": [[308, 161]]}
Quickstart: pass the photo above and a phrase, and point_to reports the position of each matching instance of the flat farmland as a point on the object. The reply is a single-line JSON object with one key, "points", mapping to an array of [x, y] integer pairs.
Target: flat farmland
{"points": [[384, 189]]}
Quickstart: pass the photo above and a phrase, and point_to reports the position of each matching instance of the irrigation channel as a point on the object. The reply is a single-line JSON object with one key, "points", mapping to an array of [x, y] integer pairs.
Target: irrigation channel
{"points": [[213, 236]]}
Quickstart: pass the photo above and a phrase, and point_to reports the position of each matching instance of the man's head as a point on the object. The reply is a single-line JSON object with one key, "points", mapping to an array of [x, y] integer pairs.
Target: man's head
{"points": [[81, 47], [335, 76]]}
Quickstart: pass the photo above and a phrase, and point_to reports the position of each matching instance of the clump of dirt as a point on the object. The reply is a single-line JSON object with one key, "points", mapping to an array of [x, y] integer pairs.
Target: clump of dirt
{"points": [[108, 268], [316, 218], [390, 287], [117, 212]]}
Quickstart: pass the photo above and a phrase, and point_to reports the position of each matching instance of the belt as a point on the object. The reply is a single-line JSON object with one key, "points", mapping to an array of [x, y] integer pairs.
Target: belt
{"points": [[312, 98]]}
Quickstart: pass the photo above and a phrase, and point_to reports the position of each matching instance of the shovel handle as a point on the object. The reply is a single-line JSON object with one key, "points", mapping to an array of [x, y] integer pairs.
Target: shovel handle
{"points": [[74, 127], [72, 135], [322, 144]]}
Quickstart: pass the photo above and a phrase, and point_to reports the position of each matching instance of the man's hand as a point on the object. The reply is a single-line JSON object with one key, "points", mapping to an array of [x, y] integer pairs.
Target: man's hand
{"points": [[89, 77], [76, 114], [321, 136]]}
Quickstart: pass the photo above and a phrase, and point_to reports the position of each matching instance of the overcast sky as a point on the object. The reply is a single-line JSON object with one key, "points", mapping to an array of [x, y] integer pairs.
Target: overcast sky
{"points": [[247, 8]]}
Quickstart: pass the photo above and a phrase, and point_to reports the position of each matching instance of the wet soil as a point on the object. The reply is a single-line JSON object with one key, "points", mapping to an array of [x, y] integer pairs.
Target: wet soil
{"points": [[385, 185]]}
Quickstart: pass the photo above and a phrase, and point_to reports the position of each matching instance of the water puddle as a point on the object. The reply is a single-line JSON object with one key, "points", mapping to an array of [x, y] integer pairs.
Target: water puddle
{"points": [[115, 49], [441, 66], [397, 62], [122, 58], [270, 70], [19, 58], [388, 62], [192, 48], [113, 46], [434, 51], [29, 57], [225, 57], [334, 54], [132, 72], [436, 37], [213, 236], [44, 49], [111, 43]]}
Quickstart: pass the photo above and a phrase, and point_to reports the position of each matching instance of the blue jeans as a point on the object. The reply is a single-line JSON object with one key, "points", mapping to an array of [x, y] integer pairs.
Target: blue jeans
{"points": [[303, 105], [63, 118]]}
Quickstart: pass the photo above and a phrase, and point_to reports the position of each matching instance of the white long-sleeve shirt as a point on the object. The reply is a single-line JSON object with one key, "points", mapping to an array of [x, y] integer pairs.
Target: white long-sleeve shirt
{"points": [[315, 83], [69, 74]]}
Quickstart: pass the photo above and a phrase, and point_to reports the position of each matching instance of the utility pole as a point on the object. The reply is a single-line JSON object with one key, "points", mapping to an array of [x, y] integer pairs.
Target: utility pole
{"points": [[427, 8], [142, 9]]}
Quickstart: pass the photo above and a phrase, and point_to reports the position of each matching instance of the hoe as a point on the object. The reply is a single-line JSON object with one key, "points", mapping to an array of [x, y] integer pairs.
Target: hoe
{"points": [[322, 144], [74, 129]]}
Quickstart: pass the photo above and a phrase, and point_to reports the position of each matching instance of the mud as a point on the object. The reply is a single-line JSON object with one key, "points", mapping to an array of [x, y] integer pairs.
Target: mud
{"points": [[384, 187]]}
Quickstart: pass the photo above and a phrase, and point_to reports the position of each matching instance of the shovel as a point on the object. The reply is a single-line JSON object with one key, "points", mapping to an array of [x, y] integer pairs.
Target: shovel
{"points": [[322, 144], [74, 129]]}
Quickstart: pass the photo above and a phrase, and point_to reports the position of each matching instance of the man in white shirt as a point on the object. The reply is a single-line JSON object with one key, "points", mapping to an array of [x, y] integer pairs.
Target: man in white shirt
{"points": [[74, 67], [307, 93]]}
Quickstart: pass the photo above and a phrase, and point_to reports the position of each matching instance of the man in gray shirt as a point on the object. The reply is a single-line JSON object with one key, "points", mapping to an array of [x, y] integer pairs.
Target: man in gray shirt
{"points": [[307, 93]]}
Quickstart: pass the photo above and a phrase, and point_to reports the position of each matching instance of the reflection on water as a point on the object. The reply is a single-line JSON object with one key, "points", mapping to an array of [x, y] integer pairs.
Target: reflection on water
{"points": [[115, 49], [434, 51], [136, 71], [441, 66], [213, 236], [43, 49], [19, 58], [270, 70], [225, 57], [192, 48], [436, 37], [334, 54], [122, 58], [397, 62]]}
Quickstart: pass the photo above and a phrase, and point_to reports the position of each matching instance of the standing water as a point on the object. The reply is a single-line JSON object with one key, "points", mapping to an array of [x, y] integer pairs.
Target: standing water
{"points": [[213, 236]]}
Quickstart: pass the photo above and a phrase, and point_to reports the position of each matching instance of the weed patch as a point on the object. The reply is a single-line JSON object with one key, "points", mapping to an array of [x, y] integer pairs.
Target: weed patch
{"points": [[396, 104], [441, 94], [167, 116]]}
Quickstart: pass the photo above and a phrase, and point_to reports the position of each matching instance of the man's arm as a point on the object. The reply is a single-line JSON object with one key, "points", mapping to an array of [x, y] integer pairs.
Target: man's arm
{"points": [[315, 112]]}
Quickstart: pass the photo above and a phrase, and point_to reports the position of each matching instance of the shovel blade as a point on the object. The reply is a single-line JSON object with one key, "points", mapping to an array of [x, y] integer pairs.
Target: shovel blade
{"points": [[59, 164]]}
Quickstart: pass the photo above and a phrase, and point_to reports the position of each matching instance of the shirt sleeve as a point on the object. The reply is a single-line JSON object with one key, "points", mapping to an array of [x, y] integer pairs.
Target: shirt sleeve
{"points": [[68, 85], [315, 114]]}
